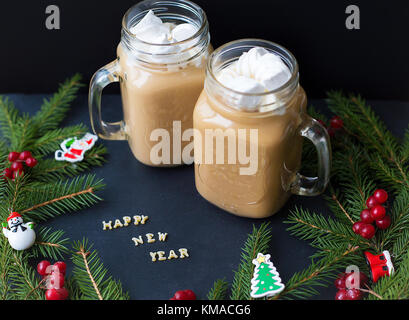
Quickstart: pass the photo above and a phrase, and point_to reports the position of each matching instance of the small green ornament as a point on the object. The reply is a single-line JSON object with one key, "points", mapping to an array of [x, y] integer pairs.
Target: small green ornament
{"points": [[266, 280]]}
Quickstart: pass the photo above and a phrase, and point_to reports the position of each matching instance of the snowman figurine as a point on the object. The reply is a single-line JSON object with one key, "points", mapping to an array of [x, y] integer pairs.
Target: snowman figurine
{"points": [[21, 235]]}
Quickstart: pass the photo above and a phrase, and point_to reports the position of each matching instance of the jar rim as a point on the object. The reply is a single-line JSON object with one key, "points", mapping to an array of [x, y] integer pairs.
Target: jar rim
{"points": [[198, 9], [294, 73]]}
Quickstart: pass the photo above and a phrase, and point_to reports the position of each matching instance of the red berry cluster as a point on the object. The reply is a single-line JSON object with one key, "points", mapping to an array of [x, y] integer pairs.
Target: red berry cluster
{"points": [[374, 212], [54, 278], [335, 124], [184, 295], [16, 168], [347, 290]]}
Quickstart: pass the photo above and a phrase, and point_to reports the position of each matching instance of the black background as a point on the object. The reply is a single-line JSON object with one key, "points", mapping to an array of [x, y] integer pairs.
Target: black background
{"points": [[371, 61]]}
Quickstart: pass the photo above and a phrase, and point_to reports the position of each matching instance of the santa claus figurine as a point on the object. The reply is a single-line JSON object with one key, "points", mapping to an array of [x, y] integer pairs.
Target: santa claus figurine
{"points": [[73, 149], [21, 235], [379, 265]]}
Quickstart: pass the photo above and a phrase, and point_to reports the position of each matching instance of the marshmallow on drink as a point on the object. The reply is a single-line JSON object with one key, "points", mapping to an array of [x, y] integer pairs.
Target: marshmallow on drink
{"points": [[152, 30], [256, 71]]}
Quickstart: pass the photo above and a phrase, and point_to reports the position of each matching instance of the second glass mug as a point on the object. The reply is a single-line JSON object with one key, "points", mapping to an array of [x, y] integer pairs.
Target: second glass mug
{"points": [[156, 89], [259, 189]]}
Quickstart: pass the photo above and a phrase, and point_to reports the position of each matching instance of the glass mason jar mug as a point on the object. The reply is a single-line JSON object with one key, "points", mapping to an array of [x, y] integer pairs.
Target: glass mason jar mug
{"points": [[247, 161], [159, 83]]}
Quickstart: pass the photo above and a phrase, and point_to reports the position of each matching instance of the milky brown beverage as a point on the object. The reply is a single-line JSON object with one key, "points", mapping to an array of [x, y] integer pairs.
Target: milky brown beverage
{"points": [[160, 66], [259, 186], [153, 100]]}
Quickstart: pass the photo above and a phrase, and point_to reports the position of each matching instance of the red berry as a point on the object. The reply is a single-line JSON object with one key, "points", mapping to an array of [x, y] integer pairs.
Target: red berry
{"points": [[42, 267], [31, 162], [340, 283], [383, 223], [189, 295], [341, 295], [63, 293], [61, 266], [357, 226], [13, 156], [331, 132], [184, 295], [378, 212], [366, 216], [16, 166], [52, 294], [179, 295], [350, 280], [371, 202], [336, 122], [367, 231], [55, 280], [24, 155], [173, 298], [354, 294], [380, 195]]}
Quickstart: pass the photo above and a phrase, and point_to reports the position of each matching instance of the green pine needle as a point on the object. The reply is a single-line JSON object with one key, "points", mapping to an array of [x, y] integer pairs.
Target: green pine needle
{"points": [[53, 110], [219, 290], [91, 275], [50, 244], [258, 241]]}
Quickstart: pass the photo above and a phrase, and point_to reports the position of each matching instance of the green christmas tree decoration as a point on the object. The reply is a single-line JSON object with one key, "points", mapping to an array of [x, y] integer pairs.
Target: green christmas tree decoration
{"points": [[266, 280]]}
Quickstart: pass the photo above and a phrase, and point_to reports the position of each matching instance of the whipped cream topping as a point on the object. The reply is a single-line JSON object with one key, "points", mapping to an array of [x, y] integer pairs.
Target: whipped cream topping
{"points": [[152, 30], [256, 71]]}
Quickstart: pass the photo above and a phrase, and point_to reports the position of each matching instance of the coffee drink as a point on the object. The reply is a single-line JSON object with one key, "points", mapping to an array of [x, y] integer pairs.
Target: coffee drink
{"points": [[161, 68], [255, 108]]}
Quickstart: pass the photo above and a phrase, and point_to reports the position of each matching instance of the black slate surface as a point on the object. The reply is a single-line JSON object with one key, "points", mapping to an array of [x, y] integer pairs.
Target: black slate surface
{"points": [[168, 196]]}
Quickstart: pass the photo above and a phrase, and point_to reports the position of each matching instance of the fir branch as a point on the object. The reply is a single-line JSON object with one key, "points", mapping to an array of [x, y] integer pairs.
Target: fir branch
{"points": [[91, 275], [51, 140], [338, 207], [5, 264], [24, 134], [397, 235], [49, 244], [302, 284], [404, 152], [388, 176], [53, 110], [56, 199], [352, 175], [257, 241], [40, 199], [74, 291], [9, 117], [13, 196], [23, 277], [360, 121], [50, 170], [323, 233], [219, 290]]}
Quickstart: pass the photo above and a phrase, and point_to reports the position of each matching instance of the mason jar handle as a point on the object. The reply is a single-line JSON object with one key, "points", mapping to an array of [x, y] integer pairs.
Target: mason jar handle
{"points": [[318, 135], [103, 77]]}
